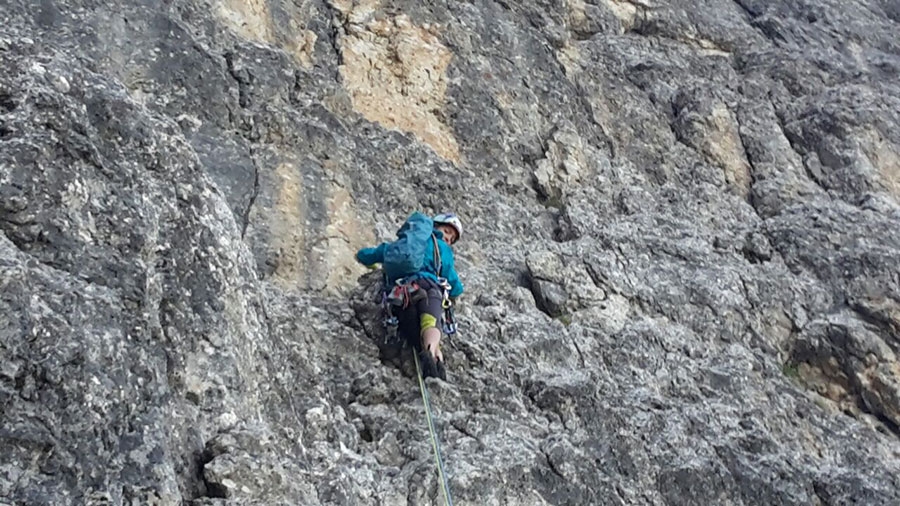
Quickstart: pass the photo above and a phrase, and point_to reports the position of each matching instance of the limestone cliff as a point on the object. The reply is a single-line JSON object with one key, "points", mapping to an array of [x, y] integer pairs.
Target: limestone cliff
{"points": [[682, 250]]}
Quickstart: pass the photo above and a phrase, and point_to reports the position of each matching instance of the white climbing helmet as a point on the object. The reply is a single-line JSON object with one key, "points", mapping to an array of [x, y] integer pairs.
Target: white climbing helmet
{"points": [[452, 220]]}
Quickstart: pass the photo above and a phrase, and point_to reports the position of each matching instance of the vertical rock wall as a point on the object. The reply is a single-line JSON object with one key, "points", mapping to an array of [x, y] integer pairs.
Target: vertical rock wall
{"points": [[681, 251]]}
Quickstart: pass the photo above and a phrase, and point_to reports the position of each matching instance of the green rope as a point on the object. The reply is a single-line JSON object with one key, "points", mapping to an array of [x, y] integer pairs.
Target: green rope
{"points": [[434, 439]]}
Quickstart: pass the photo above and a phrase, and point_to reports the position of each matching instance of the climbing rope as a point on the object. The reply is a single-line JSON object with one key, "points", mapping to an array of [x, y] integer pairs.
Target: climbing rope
{"points": [[434, 438]]}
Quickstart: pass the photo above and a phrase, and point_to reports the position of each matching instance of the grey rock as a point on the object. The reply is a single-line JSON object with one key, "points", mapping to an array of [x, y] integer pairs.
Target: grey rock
{"points": [[550, 297], [703, 199]]}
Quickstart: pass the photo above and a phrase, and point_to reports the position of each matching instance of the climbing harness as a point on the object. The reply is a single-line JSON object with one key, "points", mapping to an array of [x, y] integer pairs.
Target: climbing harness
{"points": [[399, 297], [435, 443], [406, 291]]}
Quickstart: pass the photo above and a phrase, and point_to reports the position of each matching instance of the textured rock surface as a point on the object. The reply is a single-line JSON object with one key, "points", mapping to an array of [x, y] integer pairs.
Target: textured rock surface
{"points": [[682, 250]]}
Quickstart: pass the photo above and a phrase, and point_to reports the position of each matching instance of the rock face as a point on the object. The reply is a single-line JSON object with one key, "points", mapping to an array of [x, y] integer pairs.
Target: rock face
{"points": [[681, 257]]}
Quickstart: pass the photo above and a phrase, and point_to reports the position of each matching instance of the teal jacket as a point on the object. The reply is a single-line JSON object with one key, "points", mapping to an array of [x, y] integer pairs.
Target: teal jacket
{"points": [[371, 256]]}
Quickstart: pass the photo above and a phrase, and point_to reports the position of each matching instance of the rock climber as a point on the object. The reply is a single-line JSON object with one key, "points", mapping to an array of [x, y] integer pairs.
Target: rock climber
{"points": [[427, 291]]}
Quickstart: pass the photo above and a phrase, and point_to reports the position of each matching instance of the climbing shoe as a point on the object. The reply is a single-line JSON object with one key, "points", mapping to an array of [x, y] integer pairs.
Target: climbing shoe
{"points": [[440, 370], [429, 367]]}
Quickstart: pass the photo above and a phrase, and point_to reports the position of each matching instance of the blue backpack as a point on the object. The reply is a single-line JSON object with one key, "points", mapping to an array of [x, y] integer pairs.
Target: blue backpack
{"points": [[406, 256]]}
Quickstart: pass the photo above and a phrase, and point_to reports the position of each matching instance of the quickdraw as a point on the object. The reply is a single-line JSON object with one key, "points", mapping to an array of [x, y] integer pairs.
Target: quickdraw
{"points": [[390, 322], [448, 322]]}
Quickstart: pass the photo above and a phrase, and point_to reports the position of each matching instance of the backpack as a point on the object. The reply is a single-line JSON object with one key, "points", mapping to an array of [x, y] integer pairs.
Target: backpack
{"points": [[406, 256]]}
